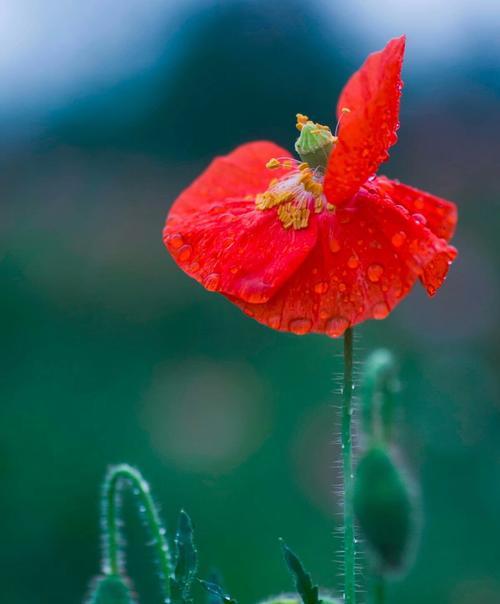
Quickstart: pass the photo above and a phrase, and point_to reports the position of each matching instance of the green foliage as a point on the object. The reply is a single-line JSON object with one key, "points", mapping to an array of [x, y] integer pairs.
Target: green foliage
{"points": [[111, 589], [303, 582], [217, 593], [383, 506], [186, 562]]}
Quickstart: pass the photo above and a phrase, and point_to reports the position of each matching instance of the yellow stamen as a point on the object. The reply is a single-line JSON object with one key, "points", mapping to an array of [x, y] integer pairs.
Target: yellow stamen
{"points": [[273, 163], [292, 216], [301, 121]]}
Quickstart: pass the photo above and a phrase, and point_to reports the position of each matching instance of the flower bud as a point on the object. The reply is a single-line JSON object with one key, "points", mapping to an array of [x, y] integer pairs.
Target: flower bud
{"points": [[111, 589], [383, 506]]}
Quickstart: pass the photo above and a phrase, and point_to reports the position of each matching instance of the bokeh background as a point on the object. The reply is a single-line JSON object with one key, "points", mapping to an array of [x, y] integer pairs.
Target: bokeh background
{"points": [[109, 353]]}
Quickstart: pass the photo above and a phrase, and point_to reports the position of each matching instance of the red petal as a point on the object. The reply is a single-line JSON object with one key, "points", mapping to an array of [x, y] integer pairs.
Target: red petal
{"points": [[367, 257], [440, 215], [216, 235], [372, 95], [242, 172]]}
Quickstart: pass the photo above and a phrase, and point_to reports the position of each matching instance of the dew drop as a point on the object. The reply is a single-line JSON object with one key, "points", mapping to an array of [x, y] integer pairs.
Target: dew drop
{"points": [[257, 297], [342, 287], [321, 287], [175, 241], [211, 282], [274, 321], [418, 204], [353, 262], [185, 253], [300, 326], [375, 272], [195, 267], [380, 310], [334, 245], [398, 239], [419, 219], [336, 326]]}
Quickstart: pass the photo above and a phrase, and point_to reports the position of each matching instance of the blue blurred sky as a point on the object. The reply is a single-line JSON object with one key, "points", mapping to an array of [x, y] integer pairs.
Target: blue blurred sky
{"points": [[53, 52]]}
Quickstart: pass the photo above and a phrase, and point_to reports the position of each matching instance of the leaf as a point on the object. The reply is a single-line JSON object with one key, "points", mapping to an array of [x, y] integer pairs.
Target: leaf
{"points": [[214, 598], [303, 582], [216, 590], [186, 561]]}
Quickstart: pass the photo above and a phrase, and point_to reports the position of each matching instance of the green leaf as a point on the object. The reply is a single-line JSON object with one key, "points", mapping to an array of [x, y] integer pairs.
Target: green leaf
{"points": [[216, 590], [110, 589], [303, 582], [186, 561]]}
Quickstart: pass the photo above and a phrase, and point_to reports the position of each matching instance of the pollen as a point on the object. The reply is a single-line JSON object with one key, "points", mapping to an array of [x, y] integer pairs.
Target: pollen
{"points": [[301, 121], [293, 216], [273, 163], [295, 195]]}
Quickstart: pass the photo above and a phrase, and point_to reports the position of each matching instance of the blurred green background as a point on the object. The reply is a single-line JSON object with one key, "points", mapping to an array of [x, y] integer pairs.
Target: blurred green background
{"points": [[108, 109]]}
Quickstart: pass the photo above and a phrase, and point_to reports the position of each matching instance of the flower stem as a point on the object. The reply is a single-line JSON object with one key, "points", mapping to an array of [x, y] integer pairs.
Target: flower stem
{"points": [[113, 560], [379, 589], [349, 539]]}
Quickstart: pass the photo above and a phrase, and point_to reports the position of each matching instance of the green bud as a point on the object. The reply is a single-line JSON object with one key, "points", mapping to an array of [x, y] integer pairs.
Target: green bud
{"points": [[383, 506], [111, 589], [315, 142]]}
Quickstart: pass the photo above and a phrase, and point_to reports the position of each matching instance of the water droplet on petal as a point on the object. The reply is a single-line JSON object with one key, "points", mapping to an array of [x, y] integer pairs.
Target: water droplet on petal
{"points": [[419, 219], [334, 245], [211, 282], [398, 239], [195, 267], [418, 204], [185, 253], [274, 321], [380, 310], [256, 297], [375, 272], [300, 326], [175, 241], [353, 262], [321, 287], [342, 287], [336, 326]]}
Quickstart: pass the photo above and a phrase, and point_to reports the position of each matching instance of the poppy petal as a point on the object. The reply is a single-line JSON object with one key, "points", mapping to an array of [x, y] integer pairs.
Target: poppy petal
{"points": [[369, 128], [224, 242], [366, 259], [240, 173], [440, 215]]}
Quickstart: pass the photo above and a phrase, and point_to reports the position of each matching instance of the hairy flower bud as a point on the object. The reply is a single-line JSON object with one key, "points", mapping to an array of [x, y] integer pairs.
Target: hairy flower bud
{"points": [[383, 506], [111, 589]]}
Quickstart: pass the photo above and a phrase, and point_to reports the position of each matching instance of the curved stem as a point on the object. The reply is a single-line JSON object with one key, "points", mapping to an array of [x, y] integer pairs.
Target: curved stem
{"points": [[379, 590], [113, 561], [379, 388], [349, 539]]}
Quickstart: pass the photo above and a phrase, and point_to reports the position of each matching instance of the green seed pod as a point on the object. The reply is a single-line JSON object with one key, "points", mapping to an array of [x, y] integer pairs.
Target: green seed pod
{"points": [[315, 142], [383, 506], [110, 589]]}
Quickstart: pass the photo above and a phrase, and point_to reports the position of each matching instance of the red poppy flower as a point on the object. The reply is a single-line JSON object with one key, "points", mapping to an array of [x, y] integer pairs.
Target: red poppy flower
{"points": [[320, 244]]}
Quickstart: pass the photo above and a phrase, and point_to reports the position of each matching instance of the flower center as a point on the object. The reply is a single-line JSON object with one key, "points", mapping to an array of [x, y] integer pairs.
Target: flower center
{"points": [[296, 194], [300, 192]]}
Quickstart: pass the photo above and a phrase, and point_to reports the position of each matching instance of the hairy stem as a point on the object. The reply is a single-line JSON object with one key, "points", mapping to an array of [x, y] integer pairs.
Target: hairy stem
{"points": [[347, 464], [113, 561]]}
